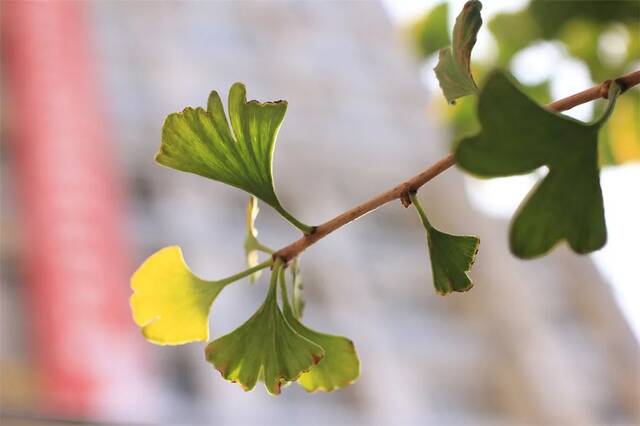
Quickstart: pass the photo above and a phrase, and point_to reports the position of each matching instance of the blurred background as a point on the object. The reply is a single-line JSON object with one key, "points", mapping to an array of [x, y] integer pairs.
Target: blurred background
{"points": [[85, 88]]}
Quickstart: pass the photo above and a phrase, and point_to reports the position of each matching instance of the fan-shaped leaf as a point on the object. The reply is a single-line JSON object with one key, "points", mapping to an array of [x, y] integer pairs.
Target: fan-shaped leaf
{"points": [[169, 302], [201, 142], [519, 136], [264, 348], [340, 365], [451, 255]]}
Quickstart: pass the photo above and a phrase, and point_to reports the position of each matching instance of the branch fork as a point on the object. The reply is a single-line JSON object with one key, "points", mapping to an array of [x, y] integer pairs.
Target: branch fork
{"points": [[403, 190]]}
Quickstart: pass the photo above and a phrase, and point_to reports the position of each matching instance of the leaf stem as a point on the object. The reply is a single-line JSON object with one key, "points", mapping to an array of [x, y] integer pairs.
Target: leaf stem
{"points": [[261, 247], [614, 92], [403, 190], [306, 229], [247, 272], [413, 196], [273, 285]]}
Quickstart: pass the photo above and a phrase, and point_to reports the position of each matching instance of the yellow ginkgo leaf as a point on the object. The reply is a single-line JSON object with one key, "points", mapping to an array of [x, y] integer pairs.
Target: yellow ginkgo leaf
{"points": [[169, 303]]}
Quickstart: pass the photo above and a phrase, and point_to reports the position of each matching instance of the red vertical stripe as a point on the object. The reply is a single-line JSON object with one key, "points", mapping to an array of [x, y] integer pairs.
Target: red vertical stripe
{"points": [[71, 212]]}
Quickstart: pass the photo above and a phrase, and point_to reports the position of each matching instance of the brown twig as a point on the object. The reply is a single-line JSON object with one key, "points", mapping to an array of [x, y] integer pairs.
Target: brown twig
{"points": [[402, 191], [596, 92]]}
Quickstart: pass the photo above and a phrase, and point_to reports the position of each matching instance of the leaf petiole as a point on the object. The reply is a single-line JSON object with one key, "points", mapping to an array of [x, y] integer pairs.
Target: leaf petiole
{"points": [[613, 92], [306, 229], [451, 256], [418, 206], [261, 247], [246, 272]]}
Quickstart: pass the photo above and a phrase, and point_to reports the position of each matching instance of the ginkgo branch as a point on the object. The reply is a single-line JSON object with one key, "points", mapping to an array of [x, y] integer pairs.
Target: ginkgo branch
{"points": [[402, 190], [172, 305], [596, 92]]}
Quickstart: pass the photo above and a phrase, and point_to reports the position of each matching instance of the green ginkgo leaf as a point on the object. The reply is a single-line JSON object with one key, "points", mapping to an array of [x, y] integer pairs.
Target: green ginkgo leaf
{"points": [[340, 365], [200, 141], [519, 136], [454, 62], [264, 348], [451, 255], [170, 303]]}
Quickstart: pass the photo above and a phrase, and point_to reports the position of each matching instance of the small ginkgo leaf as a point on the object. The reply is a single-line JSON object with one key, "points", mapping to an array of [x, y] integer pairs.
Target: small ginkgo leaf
{"points": [[169, 302], [454, 62], [200, 141], [519, 136], [451, 255], [340, 365], [264, 348], [252, 246]]}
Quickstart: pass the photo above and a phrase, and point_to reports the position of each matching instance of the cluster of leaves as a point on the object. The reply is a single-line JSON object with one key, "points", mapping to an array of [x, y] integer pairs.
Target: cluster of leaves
{"points": [[171, 304], [580, 29], [518, 136]]}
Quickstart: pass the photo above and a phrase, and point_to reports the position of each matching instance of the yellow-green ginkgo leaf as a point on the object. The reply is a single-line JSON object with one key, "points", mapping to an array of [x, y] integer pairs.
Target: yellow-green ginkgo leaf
{"points": [[264, 348], [340, 365], [200, 141], [170, 303]]}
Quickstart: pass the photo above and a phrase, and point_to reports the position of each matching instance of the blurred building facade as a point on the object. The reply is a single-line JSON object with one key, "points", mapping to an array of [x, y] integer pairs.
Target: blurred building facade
{"points": [[537, 342]]}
